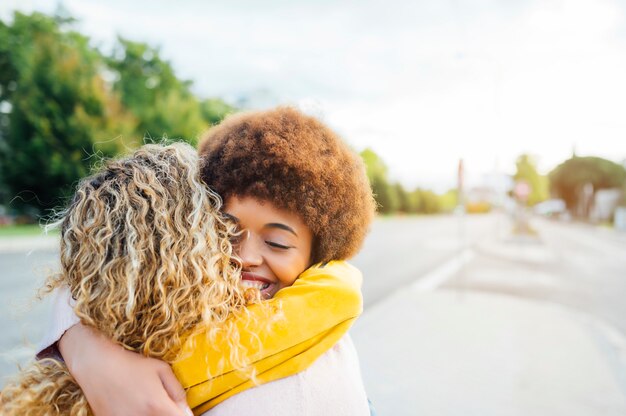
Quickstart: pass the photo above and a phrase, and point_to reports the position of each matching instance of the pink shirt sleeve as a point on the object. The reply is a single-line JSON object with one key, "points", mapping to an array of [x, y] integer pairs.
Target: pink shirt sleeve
{"points": [[62, 319]]}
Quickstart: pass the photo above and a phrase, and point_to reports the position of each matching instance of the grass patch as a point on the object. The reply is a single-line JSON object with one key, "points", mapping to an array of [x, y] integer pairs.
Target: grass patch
{"points": [[22, 230]]}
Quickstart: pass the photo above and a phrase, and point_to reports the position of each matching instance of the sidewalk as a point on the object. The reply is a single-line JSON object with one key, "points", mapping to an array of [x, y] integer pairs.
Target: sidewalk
{"points": [[462, 352], [447, 353], [24, 244]]}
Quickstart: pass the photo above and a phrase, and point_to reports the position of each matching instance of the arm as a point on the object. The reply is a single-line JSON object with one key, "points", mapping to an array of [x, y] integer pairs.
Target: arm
{"points": [[118, 382], [283, 347], [155, 389]]}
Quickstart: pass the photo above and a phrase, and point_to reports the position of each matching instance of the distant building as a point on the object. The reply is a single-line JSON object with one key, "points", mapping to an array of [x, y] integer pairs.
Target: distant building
{"points": [[550, 208], [481, 194], [605, 202], [495, 190], [620, 219]]}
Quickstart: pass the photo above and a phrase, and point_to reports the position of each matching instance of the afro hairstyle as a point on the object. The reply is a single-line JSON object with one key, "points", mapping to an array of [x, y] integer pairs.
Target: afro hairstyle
{"points": [[296, 163]]}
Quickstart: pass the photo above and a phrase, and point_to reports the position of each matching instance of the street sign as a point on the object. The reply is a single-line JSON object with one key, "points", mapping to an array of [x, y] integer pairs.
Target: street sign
{"points": [[522, 190]]}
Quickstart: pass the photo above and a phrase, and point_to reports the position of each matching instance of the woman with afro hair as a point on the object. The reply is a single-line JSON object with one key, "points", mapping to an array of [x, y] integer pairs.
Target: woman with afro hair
{"points": [[301, 200]]}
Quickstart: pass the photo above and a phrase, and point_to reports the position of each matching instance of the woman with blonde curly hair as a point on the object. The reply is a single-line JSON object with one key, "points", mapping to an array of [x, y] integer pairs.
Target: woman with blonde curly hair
{"points": [[146, 256], [300, 197]]}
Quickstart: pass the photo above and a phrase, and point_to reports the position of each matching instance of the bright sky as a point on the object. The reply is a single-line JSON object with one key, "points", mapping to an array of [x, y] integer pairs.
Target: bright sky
{"points": [[423, 83]]}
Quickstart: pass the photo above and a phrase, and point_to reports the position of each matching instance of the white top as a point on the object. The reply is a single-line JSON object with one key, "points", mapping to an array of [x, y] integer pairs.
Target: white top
{"points": [[331, 386], [63, 317]]}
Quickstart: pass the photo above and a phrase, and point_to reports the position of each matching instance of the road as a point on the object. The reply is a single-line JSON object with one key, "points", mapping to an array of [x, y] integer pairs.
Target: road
{"points": [[575, 265], [517, 325], [22, 315], [399, 250]]}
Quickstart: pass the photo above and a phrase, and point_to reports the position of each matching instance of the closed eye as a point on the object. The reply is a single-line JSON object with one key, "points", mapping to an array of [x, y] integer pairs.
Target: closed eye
{"points": [[276, 245]]}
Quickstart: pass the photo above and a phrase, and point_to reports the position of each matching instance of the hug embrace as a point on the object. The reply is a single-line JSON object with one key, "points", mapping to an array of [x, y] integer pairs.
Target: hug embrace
{"points": [[214, 280]]}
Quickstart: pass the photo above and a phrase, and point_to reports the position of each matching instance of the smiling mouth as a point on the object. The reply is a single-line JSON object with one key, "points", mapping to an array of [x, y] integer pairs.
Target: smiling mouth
{"points": [[267, 287], [256, 284]]}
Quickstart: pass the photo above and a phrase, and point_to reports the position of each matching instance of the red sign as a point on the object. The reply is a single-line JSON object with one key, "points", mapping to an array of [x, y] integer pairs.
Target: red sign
{"points": [[522, 189]]}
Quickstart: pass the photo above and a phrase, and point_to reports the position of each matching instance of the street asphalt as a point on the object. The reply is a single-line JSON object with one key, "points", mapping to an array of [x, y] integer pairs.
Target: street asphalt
{"points": [[515, 325]]}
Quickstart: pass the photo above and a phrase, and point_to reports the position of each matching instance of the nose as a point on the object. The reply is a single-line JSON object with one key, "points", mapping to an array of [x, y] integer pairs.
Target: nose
{"points": [[249, 251]]}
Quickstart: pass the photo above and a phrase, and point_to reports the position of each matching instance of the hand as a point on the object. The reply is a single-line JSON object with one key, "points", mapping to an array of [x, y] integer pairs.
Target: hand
{"points": [[117, 382]]}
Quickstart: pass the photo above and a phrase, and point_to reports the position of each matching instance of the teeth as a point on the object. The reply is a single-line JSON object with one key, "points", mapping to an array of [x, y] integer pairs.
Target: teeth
{"points": [[255, 284]]}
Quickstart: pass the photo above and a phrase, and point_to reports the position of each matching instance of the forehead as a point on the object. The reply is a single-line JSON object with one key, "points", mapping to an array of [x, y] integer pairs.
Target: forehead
{"points": [[250, 211]]}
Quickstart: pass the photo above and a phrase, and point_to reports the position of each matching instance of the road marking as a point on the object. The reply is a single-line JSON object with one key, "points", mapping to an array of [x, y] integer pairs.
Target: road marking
{"points": [[437, 277]]}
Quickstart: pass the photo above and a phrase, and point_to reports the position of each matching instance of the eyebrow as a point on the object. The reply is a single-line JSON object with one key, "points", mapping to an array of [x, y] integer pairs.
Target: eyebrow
{"points": [[278, 225], [281, 226]]}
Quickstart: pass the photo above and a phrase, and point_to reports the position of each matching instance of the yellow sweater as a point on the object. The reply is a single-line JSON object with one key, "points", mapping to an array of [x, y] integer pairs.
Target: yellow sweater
{"points": [[313, 314]]}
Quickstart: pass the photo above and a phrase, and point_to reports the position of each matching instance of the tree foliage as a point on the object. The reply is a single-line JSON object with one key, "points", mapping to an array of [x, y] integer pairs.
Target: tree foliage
{"points": [[429, 202], [149, 88], [405, 200], [385, 195], [568, 179], [214, 110], [393, 197], [526, 170], [62, 103], [449, 200], [60, 111]]}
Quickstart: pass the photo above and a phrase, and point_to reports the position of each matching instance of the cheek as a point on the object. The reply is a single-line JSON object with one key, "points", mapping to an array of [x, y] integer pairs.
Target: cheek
{"points": [[287, 270], [288, 275]]}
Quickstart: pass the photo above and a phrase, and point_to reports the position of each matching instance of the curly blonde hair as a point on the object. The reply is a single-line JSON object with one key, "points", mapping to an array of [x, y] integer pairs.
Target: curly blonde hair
{"points": [[148, 260]]}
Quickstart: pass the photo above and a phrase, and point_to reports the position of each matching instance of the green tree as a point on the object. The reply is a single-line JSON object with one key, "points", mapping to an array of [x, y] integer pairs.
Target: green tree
{"points": [[386, 195], [214, 110], [569, 178], [60, 113], [429, 202], [149, 88], [527, 171], [449, 201], [376, 167], [416, 201], [62, 102], [405, 199], [392, 198]]}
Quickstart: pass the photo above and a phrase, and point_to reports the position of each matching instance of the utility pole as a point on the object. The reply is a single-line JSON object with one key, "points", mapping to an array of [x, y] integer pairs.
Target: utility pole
{"points": [[460, 212], [522, 192], [460, 189]]}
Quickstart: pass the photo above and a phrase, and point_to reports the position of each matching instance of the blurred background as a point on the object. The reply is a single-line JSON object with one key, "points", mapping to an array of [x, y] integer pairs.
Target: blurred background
{"points": [[494, 137]]}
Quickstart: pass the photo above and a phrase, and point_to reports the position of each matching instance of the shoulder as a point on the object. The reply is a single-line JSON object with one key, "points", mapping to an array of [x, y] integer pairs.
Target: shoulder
{"points": [[337, 272], [340, 362], [308, 392], [335, 266]]}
